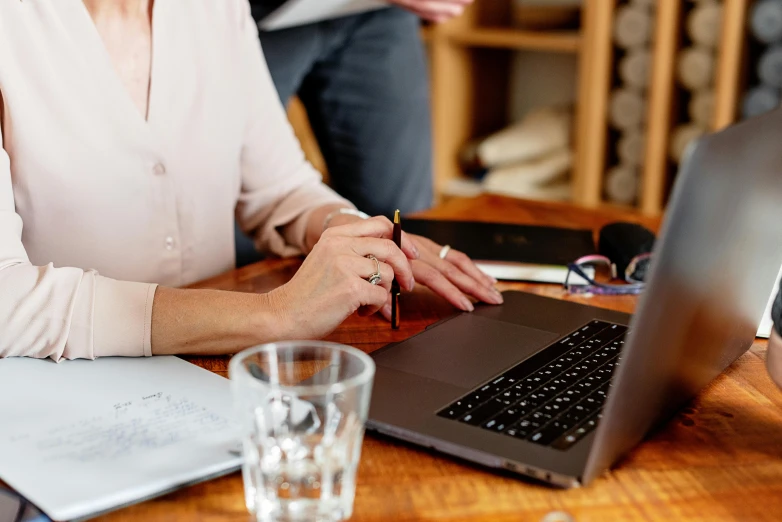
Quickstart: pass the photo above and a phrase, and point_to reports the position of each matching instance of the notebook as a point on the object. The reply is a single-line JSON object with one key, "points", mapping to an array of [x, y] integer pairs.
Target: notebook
{"points": [[299, 12], [512, 252], [80, 438]]}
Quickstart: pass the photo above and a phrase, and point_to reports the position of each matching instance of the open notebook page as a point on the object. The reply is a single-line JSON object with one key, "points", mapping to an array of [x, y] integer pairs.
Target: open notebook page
{"points": [[83, 437]]}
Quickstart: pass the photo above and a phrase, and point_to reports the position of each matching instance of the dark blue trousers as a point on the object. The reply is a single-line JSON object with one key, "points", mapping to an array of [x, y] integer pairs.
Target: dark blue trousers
{"points": [[364, 82]]}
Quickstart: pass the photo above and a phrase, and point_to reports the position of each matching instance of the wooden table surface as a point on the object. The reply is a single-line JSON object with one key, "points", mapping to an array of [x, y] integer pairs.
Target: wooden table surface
{"points": [[719, 459]]}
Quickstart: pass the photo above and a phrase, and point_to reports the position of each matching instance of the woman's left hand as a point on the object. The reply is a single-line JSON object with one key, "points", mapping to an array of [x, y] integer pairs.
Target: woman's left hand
{"points": [[455, 277]]}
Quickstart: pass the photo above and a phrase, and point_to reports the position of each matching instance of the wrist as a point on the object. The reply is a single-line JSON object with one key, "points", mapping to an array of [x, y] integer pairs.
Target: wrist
{"points": [[272, 319], [342, 216]]}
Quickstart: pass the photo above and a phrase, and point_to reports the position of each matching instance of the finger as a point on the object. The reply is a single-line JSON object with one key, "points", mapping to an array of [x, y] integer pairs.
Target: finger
{"points": [[375, 297], [466, 265], [431, 277], [459, 259], [438, 10], [365, 268], [367, 298], [385, 250], [377, 227], [385, 310], [463, 282]]}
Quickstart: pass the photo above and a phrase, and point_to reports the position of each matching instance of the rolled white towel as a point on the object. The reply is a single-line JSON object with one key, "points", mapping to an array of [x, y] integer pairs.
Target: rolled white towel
{"points": [[541, 132], [627, 109], [701, 107], [633, 26], [634, 67], [631, 147], [622, 185], [695, 68], [765, 21], [524, 177], [760, 99], [770, 66], [704, 24]]}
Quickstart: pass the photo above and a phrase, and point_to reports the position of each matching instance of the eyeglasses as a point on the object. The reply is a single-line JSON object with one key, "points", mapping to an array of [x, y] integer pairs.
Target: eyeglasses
{"points": [[634, 276]]}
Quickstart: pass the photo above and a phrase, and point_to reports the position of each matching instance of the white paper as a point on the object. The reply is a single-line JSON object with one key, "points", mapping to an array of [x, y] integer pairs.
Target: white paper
{"points": [[300, 12], [82, 437], [766, 324]]}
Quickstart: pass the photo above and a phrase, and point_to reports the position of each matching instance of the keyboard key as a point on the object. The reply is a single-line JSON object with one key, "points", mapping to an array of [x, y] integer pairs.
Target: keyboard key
{"points": [[541, 416], [574, 436], [505, 419], [518, 433], [488, 410], [528, 425], [548, 434]]}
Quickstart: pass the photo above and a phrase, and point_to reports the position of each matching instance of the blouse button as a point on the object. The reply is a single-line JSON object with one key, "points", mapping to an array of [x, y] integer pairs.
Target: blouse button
{"points": [[169, 243], [159, 169]]}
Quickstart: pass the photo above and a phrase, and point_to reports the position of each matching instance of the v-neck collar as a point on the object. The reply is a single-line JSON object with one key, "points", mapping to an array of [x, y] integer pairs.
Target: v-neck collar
{"points": [[84, 30]]}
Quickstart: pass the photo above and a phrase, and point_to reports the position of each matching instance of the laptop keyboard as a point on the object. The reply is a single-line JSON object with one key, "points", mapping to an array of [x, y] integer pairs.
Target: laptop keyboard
{"points": [[553, 398]]}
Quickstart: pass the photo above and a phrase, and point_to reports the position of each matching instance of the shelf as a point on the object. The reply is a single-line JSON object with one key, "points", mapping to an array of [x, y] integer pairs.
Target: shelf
{"points": [[517, 39]]}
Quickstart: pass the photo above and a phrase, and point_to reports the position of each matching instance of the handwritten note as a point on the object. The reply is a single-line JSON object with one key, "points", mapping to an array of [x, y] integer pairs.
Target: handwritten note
{"points": [[150, 422], [81, 437]]}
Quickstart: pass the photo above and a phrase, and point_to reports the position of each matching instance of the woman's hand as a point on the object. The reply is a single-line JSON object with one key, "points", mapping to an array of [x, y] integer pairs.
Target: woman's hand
{"points": [[332, 282], [455, 277], [434, 10]]}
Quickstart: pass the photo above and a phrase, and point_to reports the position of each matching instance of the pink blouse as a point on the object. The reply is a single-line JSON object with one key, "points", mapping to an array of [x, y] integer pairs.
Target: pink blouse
{"points": [[112, 204]]}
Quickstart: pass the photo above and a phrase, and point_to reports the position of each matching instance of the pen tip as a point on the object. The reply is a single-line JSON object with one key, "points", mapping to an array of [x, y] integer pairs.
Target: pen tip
{"points": [[396, 216]]}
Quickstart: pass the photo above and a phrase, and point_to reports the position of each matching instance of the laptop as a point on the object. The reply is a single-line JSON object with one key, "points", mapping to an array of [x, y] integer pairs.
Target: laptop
{"points": [[559, 391]]}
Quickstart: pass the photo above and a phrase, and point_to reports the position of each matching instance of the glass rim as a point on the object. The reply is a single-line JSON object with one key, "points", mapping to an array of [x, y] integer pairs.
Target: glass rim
{"points": [[235, 367]]}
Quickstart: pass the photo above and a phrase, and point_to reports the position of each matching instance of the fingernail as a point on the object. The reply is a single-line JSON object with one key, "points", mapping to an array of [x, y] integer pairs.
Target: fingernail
{"points": [[493, 280], [386, 311], [411, 283], [416, 253], [497, 296], [467, 305]]}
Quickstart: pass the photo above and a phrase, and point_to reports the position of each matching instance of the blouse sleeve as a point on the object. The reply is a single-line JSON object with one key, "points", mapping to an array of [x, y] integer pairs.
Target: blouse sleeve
{"points": [[279, 186], [63, 312]]}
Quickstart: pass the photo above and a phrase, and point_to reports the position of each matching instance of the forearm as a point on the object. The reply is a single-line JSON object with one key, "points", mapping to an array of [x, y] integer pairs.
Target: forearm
{"points": [[212, 322], [316, 219]]}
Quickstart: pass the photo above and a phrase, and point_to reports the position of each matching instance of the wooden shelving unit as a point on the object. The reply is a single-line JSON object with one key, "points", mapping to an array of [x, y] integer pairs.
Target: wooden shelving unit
{"points": [[470, 80], [470, 70], [563, 42], [661, 105], [731, 62]]}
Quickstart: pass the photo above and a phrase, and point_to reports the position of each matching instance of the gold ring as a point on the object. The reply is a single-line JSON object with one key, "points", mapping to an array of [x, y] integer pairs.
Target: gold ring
{"points": [[375, 278], [444, 251]]}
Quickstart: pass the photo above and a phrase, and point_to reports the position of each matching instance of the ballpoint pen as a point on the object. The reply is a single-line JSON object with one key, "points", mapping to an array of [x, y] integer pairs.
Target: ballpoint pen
{"points": [[395, 291]]}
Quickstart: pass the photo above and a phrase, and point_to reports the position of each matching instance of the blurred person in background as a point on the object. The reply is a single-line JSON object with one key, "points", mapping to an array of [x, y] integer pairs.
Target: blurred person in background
{"points": [[363, 80]]}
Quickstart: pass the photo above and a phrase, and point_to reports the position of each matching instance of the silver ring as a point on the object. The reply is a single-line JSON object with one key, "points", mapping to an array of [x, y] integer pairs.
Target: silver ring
{"points": [[375, 278], [444, 251]]}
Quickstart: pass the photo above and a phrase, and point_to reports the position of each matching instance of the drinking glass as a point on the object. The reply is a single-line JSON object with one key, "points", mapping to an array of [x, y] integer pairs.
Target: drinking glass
{"points": [[301, 407]]}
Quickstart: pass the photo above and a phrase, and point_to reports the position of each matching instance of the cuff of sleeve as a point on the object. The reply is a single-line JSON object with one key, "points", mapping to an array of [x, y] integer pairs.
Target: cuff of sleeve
{"points": [[123, 318], [289, 212]]}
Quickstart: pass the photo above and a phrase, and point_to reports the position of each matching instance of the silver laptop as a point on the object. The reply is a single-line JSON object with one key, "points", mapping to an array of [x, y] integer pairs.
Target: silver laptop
{"points": [[559, 391]]}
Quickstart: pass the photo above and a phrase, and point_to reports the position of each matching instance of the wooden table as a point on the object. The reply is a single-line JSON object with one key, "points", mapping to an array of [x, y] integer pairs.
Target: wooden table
{"points": [[719, 459]]}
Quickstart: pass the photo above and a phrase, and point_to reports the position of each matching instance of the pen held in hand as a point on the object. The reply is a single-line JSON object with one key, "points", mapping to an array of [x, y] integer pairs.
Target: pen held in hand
{"points": [[395, 291]]}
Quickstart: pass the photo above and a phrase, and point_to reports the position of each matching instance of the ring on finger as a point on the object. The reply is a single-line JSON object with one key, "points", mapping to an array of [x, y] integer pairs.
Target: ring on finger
{"points": [[444, 251], [375, 278]]}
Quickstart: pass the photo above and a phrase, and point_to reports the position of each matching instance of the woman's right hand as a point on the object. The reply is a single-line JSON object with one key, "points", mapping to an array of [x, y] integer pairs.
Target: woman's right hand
{"points": [[332, 282]]}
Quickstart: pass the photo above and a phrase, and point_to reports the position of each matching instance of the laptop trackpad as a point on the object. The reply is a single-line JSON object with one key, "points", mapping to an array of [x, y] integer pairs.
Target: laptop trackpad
{"points": [[465, 351]]}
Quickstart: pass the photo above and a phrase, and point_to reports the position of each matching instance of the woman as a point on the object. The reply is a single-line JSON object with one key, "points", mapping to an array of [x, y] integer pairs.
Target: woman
{"points": [[130, 131]]}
